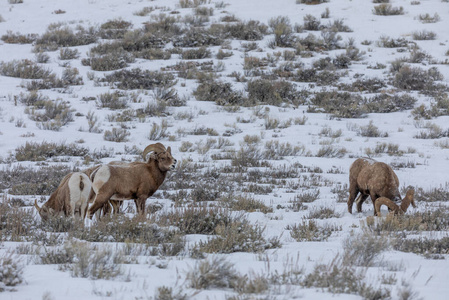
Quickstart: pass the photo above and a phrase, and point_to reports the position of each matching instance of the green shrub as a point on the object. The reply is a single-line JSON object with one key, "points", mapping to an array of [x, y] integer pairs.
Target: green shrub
{"points": [[283, 32], [25, 69], [368, 85], [385, 103], [219, 92], [33, 98], [248, 31], [114, 29], [70, 76], [247, 204], [110, 61], [426, 18], [191, 3], [371, 130], [237, 236], [30, 181], [118, 135], [55, 115], [115, 100], [96, 264], [424, 246], [193, 220], [122, 229], [387, 10], [44, 150], [199, 53], [272, 92], [341, 279], [213, 273], [140, 40], [153, 53], [387, 42], [158, 132], [311, 23], [15, 225], [311, 232], [340, 104], [415, 78], [311, 2], [323, 212], [17, 38], [424, 35], [362, 249], [62, 36], [67, 53], [195, 37], [138, 79]]}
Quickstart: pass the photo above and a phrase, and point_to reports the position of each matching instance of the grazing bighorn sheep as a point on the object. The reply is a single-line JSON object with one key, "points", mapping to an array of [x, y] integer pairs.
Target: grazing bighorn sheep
{"points": [[374, 179], [106, 208], [393, 207], [70, 198], [136, 180]]}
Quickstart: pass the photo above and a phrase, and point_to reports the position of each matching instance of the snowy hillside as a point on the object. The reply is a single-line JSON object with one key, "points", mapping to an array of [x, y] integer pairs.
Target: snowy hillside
{"points": [[265, 105]]}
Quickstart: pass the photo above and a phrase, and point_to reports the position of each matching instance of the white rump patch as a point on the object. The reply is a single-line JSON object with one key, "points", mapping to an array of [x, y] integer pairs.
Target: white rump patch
{"points": [[102, 176], [78, 196]]}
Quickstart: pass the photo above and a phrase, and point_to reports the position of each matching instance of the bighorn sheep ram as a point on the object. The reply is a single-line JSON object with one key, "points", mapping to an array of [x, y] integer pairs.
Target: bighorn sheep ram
{"points": [[374, 179], [393, 207], [70, 198], [136, 180], [106, 208]]}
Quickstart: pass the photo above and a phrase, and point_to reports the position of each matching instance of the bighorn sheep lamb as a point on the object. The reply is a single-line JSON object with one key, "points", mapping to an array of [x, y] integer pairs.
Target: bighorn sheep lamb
{"points": [[70, 198], [393, 207], [374, 179], [136, 180]]}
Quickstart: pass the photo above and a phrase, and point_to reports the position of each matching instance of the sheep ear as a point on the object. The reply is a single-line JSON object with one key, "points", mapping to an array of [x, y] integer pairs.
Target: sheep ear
{"points": [[169, 149]]}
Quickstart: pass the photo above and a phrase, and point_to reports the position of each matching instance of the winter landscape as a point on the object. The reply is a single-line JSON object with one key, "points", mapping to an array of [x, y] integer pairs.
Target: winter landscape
{"points": [[265, 105]]}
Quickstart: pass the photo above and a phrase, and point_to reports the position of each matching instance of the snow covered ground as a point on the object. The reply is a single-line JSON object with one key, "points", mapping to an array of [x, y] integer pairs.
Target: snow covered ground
{"points": [[428, 278]]}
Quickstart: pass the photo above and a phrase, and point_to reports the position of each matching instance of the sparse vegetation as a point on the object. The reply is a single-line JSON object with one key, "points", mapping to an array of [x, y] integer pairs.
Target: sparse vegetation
{"points": [[255, 115], [388, 10]]}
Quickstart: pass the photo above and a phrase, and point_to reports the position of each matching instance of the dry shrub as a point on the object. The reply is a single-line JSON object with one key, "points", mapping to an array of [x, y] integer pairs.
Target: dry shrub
{"points": [[363, 249], [139, 79], [213, 273], [311, 232], [237, 236]]}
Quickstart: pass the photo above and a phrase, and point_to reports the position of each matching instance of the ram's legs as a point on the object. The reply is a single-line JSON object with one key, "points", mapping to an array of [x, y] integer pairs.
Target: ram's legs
{"points": [[360, 201], [140, 205], [100, 200], [353, 191]]}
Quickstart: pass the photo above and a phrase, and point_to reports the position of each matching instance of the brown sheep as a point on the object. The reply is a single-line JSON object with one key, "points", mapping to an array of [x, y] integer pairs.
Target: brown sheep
{"points": [[393, 207], [136, 180], [371, 178], [69, 199], [113, 204]]}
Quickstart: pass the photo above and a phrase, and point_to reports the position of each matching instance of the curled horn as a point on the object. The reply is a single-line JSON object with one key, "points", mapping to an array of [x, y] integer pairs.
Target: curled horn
{"points": [[408, 199], [390, 204], [158, 147], [37, 207]]}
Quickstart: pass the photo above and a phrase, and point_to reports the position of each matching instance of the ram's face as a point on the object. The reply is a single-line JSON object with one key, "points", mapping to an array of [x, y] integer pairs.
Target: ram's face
{"points": [[46, 213], [166, 161]]}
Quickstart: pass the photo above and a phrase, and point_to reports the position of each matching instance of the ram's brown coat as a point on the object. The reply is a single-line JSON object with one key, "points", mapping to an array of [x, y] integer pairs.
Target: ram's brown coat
{"points": [[393, 207], [371, 178], [61, 202], [136, 180]]}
